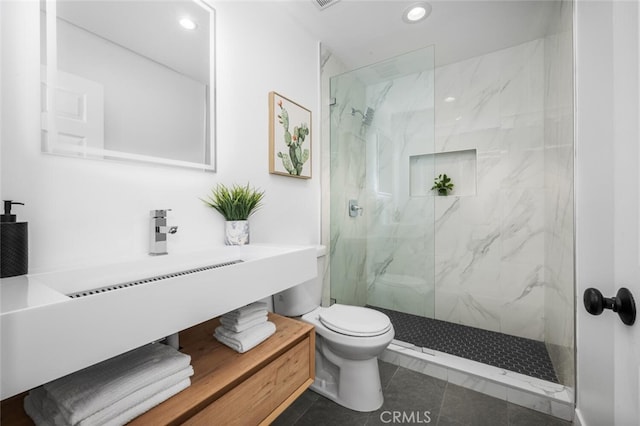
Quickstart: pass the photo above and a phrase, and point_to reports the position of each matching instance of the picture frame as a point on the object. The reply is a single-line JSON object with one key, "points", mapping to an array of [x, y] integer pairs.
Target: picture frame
{"points": [[289, 138]]}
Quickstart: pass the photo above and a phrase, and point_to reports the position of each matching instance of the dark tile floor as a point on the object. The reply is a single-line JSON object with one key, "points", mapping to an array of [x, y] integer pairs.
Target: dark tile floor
{"points": [[421, 400], [501, 350]]}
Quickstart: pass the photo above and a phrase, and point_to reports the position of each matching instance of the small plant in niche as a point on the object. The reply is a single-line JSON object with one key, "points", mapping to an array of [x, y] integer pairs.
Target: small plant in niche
{"points": [[442, 184], [235, 203]]}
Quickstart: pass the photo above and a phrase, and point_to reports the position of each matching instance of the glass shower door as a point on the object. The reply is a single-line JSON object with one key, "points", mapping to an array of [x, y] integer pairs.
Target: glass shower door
{"points": [[382, 169]]}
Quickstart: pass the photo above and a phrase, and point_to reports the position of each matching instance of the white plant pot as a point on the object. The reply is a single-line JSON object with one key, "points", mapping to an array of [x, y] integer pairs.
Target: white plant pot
{"points": [[236, 232]]}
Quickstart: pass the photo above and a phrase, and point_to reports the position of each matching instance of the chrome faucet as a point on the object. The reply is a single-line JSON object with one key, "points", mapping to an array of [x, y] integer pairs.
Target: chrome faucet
{"points": [[158, 232]]}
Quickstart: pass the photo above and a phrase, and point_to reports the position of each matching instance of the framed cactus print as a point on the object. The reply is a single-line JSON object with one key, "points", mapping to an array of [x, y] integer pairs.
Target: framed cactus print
{"points": [[289, 137]]}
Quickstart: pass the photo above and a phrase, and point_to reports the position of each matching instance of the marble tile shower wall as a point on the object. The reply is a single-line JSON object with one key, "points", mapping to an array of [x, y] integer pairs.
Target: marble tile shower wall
{"points": [[489, 248]]}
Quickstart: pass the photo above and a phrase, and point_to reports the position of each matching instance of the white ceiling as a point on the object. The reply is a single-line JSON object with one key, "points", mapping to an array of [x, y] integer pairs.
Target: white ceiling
{"points": [[359, 32], [362, 32]]}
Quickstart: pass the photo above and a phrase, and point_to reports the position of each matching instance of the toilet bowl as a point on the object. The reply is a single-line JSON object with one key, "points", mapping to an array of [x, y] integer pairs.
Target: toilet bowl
{"points": [[347, 354], [348, 342]]}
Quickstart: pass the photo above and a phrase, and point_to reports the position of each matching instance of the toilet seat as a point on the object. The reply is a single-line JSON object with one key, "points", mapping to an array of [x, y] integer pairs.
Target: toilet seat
{"points": [[355, 320]]}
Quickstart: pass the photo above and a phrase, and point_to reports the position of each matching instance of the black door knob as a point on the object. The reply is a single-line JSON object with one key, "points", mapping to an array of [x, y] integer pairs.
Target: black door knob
{"points": [[623, 304]]}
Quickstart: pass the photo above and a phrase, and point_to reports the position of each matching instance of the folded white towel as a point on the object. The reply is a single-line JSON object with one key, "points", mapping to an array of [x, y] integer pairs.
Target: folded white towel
{"points": [[121, 417], [245, 318], [247, 334], [81, 394], [247, 310], [238, 347], [45, 408], [244, 325], [35, 412], [147, 405], [243, 341], [136, 398]]}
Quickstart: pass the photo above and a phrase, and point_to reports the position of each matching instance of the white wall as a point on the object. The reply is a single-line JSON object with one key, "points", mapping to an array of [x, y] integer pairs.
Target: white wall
{"points": [[85, 212]]}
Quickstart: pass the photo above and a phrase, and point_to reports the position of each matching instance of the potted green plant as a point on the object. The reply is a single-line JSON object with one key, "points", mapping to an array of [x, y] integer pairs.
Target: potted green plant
{"points": [[235, 204], [443, 184]]}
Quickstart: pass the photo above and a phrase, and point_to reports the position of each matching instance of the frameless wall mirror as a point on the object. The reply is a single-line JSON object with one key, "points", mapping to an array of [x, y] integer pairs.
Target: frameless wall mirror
{"points": [[129, 80]]}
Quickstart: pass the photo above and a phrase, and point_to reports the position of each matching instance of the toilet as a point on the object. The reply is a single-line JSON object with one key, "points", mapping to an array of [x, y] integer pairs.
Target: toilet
{"points": [[348, 342]]}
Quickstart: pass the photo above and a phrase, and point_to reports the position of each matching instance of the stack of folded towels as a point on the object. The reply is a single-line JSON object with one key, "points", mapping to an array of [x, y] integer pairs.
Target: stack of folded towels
{"points": [[112, 392], [245, 328]]}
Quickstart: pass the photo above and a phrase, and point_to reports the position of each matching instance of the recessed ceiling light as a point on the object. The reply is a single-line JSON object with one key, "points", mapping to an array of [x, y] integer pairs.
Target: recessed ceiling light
{"points": [[449, 99], [187, 24], [416, 12]]}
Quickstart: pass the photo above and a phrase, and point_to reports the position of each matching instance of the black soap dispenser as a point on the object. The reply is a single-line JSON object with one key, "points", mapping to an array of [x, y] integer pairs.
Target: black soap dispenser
{"points": [[14, 249]]}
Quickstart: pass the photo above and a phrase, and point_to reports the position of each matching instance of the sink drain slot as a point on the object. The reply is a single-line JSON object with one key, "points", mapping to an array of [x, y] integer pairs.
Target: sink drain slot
{"points": [[150, 280]]}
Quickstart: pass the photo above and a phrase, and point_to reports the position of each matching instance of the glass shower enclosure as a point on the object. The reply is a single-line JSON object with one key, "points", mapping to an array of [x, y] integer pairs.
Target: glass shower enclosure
{"points": [[496, 253], [382, 169]]}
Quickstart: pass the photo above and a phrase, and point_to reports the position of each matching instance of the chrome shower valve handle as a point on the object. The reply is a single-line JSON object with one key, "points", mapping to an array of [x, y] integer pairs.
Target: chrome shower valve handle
{"points": [[354, 208]]}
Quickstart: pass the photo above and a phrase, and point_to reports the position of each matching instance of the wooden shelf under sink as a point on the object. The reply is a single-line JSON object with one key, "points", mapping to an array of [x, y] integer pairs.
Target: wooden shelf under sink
{"points": [[227, 387]]}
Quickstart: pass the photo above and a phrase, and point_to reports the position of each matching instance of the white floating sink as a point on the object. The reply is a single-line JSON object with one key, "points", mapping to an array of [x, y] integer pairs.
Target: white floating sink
{"points": [[47, 333]]}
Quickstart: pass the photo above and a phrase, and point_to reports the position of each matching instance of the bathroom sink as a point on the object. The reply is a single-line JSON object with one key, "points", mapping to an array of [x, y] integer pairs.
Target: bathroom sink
{"points": [[55, 323]]}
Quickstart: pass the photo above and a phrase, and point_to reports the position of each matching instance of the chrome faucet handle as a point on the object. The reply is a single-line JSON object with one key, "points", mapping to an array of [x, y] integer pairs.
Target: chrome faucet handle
{"points": [[354, 208], [159, 213], [167, 229]]}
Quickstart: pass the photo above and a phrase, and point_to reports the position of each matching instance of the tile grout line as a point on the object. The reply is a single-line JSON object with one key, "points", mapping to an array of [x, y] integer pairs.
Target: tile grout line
{"points": [[392, 376], [304, 411], [444, 395]]}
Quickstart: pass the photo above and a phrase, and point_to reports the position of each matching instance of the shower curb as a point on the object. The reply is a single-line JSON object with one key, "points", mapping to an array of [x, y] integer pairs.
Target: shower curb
{"points": [[539, 395]]}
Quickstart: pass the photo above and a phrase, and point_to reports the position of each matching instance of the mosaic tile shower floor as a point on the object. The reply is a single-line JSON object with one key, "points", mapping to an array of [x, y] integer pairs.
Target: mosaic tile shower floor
{"points": [[524, 356]]}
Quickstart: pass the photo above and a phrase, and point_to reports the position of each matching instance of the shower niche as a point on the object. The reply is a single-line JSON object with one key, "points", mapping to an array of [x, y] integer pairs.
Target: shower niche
{"points": [[460, 166]]}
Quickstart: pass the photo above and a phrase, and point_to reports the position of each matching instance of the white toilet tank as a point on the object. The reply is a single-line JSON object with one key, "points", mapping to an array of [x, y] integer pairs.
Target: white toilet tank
{"points": [[304, 297]]}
